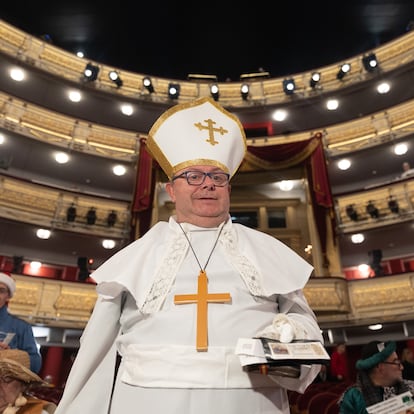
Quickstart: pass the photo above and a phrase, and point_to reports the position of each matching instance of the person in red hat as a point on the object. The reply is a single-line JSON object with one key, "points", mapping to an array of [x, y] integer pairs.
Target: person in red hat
{"points": [[15, 333]]}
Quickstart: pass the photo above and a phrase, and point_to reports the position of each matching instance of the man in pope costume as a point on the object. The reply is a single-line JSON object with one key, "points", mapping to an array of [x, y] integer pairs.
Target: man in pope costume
{"points": [[173, 304]]}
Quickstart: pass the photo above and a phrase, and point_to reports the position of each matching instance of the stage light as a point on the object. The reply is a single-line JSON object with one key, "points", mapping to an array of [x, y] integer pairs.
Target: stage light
{"points": [[147, 82], [393, 205], [83, 267], [91, 216], [71, 213], [375, 261], [111, 219], [90, 73], [289, 86], [372, 210], [314, 80], [370, 62], [214, 90], [114, 76], [351, 212], [344, 69], [244, 91], [173, 90]]}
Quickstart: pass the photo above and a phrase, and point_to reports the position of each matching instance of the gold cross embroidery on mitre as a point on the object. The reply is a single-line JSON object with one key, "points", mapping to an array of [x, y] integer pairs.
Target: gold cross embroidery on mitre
{"points": [[202, 298], [211, 130]]}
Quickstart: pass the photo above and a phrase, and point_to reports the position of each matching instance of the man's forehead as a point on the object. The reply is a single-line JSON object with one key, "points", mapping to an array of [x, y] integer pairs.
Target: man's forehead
{"points": [[208, 168]]}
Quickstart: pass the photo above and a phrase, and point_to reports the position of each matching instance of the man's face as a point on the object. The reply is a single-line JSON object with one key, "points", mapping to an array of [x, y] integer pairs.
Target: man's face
{"points": [[4, 294], [205, 205]]}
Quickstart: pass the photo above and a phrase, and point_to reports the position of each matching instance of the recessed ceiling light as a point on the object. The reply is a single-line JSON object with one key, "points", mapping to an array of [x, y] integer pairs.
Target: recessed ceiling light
{"points": [[279, 115], [344, 164], [127, 110], [61, 157], [332, 104], [74, 96], [375, 327], [400, 149], [17, 74], [43, 234], [286, 185], [119, 170], [383, 88], [108, 244], [357, 238]]}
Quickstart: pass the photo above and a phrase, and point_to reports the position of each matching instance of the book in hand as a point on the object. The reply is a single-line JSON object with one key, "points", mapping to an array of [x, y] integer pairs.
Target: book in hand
{"points": [[400, 404], [270, 356]]}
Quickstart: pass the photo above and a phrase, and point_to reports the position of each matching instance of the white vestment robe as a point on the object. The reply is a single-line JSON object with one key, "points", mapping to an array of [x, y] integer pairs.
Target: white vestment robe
{"points": [[160, 369]]}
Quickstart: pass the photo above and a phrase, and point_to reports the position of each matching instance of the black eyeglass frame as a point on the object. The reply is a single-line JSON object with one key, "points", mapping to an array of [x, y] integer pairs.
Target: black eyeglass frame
{"points": [[205, 174], [398, 362]]}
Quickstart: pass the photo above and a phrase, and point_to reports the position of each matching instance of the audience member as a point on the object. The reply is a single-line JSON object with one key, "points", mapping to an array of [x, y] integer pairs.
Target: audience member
{"points": [[407, 359], [15, 332], [16, 379], [407, 170], [379, 378], [153, 296], [339, 364]]}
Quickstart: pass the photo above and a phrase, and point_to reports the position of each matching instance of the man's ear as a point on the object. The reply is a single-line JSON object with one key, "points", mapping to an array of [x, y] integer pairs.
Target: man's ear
{"points": [[170, 190]]}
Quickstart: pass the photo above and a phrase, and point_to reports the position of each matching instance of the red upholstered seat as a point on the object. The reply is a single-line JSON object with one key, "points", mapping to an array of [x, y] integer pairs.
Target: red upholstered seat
{"points": [[320, 401]]}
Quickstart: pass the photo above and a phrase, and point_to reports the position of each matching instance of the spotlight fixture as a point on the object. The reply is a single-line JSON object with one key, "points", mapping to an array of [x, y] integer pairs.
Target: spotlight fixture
{"points": [[114, 76], [343, 70], [351, 212], [90, 73], [314, 80], [147, 82], [244, 91], [289, 86], [375, 261], [91, 216], [214, 90], [370, 62], [173, 90], [393, 205], [372, 210], [71, 213], [111, 219], [83, 268]]}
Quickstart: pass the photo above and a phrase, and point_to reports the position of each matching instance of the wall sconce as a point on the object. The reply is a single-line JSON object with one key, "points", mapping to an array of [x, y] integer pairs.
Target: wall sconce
{"points": [[90, 73], [315, 79], [343, 70], [370, 62], [289, 86], [244, 91], [372, 210], [91, 216], [114, 76], [215, 92], [173, 90], [147, 82], [351, 212]]}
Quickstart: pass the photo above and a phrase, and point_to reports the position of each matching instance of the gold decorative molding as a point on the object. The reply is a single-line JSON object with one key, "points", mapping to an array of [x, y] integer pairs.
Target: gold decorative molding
{"points": [[335, 301]]}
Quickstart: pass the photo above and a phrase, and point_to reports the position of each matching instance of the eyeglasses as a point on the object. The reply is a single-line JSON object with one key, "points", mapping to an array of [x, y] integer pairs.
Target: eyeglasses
{"points": [[396, 362], [219, 179]]}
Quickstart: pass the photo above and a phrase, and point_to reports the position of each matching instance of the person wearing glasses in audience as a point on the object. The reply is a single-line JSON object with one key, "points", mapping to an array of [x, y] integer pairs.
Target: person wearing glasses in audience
{"points": [[379, 378], [174, 303], [16, 333]]}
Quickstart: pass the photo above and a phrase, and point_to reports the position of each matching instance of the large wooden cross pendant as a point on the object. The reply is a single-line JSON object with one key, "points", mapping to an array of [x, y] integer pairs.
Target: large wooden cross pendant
{"points": [[202, 298]]}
